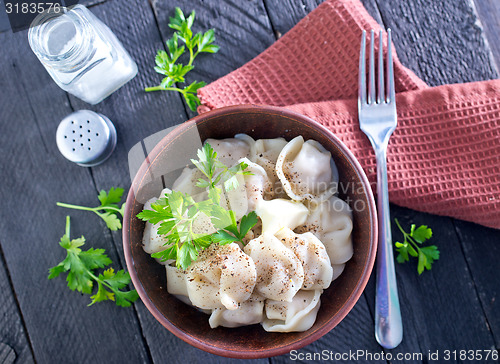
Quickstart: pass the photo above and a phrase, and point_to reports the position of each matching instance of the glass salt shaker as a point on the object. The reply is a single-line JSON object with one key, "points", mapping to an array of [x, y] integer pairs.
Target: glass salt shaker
{"points": [[81, 53]]}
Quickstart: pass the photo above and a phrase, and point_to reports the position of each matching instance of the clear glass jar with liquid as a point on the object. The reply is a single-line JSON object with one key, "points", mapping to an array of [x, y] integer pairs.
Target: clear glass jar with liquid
{"points": [[81, 53]]}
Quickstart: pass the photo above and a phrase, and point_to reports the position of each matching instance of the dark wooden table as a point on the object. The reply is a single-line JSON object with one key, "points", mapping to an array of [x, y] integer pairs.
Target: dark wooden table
{"points": [[456, 306]]}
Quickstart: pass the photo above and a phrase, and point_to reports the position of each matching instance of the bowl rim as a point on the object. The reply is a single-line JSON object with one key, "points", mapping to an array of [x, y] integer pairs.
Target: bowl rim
{"points": [[294, 345]]}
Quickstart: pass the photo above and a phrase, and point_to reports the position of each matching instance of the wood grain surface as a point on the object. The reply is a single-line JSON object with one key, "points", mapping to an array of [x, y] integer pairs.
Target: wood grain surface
{"points": [[455, 306]]}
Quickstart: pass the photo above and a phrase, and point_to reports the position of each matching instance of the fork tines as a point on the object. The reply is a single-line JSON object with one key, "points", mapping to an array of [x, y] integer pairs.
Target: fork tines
{"points": [[381, 96]]}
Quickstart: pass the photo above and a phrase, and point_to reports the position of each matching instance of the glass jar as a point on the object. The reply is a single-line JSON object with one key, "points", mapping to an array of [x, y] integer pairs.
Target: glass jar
{"points": [[81, 53]]}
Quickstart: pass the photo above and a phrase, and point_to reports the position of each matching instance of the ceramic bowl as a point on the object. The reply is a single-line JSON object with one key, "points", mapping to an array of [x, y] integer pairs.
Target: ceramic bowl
{"points": [[161, 168]]}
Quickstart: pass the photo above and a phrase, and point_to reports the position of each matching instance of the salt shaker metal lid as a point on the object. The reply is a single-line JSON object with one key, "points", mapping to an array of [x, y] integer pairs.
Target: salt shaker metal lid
{"points": [[86, 138]]}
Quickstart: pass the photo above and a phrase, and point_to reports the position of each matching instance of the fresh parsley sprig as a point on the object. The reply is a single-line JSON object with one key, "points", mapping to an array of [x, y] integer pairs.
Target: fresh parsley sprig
{"points": [[167, 61], [209, 165], [80, 266], [411, 246], [177, 212], [108, 210]]}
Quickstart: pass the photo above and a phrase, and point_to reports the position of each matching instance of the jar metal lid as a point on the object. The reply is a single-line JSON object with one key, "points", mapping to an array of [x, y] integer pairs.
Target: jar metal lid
{"points": [[86, 138]]}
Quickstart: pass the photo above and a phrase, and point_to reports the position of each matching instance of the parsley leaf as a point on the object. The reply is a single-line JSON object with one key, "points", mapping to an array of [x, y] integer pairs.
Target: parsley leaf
{"points": [[223, 237], [247, 222], [108, 210], [167, 61], [176, 212], [411, 247], [80, 266], [421, 234], [112, 197]]}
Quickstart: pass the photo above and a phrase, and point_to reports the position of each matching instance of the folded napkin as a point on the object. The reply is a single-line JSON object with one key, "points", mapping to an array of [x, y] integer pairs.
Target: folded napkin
{"points": [[443, 158]]}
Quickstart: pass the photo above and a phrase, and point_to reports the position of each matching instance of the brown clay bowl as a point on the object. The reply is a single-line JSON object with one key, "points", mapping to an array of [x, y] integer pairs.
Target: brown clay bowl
{"points": [[149, 278]]}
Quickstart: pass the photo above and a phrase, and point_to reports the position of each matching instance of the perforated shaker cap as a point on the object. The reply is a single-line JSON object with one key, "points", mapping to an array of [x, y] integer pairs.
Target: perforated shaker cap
{"points": [[86, 138]]}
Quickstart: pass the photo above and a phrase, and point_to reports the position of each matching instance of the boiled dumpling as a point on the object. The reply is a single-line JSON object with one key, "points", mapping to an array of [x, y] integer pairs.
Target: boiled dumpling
{"points": [[222, 276], [279, 271], [296, 316], [267, 149], [247, 139], [256, 184], [176, 283], [306, 170], [280, 213], [249, 192], [312, 254], [230, 150], [331, 222], [186, 183], [337, 270], [248, 312], [265, 152], [236, 199], [152, 241]]}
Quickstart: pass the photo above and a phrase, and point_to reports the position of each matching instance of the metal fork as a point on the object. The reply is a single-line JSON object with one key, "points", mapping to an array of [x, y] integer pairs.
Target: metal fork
{"points": [[377, 119]]}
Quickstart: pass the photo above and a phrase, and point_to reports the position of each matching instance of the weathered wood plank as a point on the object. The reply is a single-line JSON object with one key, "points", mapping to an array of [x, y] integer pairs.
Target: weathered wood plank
{"points": [[440, 41], [60, 326], [481, 249], [14, 344], [242, 29], [489, 16], [285, 14], [4, 19], [420, 28]]}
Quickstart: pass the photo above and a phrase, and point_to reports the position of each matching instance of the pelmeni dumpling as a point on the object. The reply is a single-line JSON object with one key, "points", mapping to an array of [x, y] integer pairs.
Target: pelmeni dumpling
{"points": [[249, 192], [247, 139], [298, 315], [186, 183], [230, 150], [279, 271], [280, 213], [265, 152], [312, 254], [222, 276], [306, 170], [267, 149], [248, 312], [331, 222], [256, 184], [152, 241], [337, 270], [176, 283], [236, 199]]}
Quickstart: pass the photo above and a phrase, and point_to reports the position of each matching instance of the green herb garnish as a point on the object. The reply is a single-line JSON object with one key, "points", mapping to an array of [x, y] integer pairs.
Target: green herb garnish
{"points": [[412, 247], [108, 210], [80, 266], [176, 212], [166, 61]]}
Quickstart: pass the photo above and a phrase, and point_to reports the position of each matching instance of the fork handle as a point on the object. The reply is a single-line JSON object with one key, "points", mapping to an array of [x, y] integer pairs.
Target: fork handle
{"points": [[388, 324]]}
